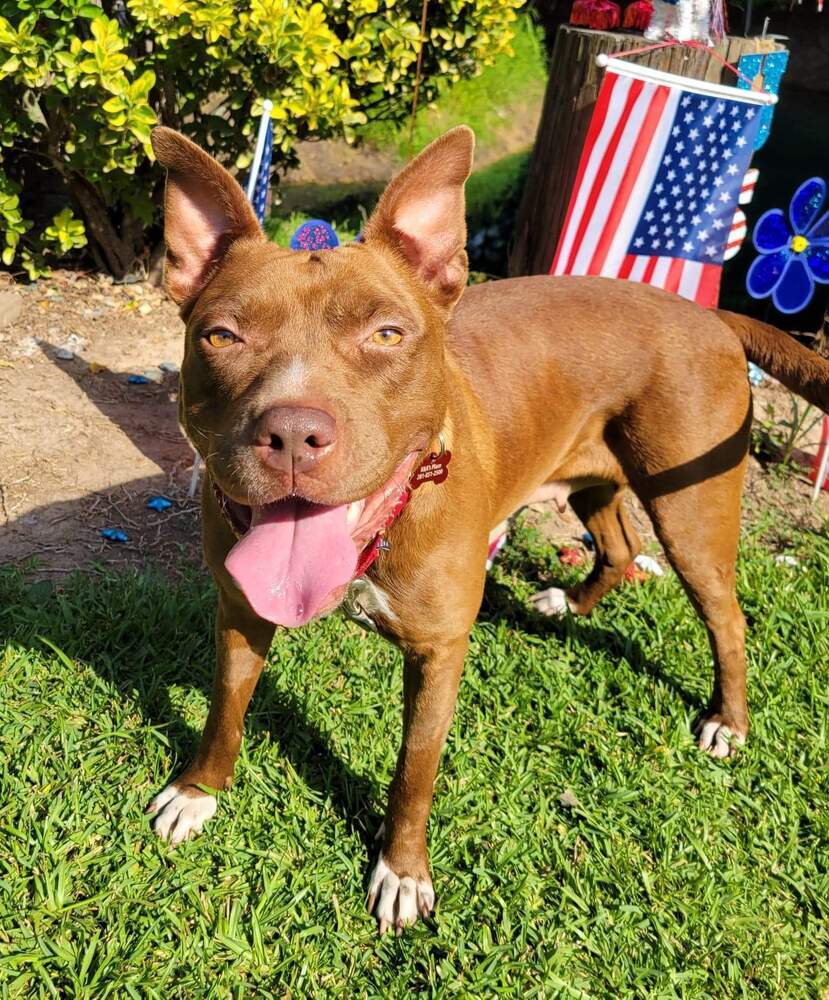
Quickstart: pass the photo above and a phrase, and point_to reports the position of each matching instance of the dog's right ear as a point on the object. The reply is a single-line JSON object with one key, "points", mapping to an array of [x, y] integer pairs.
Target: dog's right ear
{"points": [[205, 210]]}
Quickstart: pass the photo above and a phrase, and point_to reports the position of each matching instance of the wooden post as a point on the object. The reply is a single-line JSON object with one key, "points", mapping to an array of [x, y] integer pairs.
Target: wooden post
{"points": [[568, 106]]}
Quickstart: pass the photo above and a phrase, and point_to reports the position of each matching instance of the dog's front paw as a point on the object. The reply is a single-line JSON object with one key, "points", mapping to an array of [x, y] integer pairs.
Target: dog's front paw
{"points": [[397, 901], [553, 602], [181, 812], [717, 737]]}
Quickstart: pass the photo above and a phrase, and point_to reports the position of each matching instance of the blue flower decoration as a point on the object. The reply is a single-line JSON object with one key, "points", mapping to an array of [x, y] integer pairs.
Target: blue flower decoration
{"points": [[315, 234], [794, 252]]}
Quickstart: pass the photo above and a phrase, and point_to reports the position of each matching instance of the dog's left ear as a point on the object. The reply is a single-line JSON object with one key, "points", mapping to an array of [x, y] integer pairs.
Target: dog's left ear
{"points": [[421, 215], [205, 211]]}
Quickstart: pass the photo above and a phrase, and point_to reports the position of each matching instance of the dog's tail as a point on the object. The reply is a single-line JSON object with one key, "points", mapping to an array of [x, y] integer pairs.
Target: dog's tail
{"points": [[798, 368]]}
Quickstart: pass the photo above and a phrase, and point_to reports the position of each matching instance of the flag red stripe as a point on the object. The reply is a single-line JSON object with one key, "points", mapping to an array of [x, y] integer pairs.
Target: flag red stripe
{"points": [[650, 267], [630, 177], [627, 265], [601, 175], [709, 286], [674, 275], [596, 123]]}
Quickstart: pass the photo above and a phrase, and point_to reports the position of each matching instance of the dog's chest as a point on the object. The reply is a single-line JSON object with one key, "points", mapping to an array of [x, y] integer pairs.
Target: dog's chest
{"points": [[364, 601]]}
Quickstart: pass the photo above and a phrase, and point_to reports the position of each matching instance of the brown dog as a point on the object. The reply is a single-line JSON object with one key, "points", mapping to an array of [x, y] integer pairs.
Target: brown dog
{"points": [[315, 384]]}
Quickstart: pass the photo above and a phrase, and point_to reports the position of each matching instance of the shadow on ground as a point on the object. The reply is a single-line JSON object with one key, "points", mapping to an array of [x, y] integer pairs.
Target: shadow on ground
{"points": [[145, 636], [66, 534]]}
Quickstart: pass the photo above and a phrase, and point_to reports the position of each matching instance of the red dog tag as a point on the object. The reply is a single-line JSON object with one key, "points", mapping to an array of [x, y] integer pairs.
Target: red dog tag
{"points": [[433, 469]]}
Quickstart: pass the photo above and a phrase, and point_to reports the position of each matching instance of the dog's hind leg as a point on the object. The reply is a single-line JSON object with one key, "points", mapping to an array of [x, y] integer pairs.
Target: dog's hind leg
{"points": [[699, 529], [601, 510]]}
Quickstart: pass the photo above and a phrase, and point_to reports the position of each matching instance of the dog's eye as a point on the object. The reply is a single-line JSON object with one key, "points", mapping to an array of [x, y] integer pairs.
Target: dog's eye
{"points": [[387, 337], [221, 338]]}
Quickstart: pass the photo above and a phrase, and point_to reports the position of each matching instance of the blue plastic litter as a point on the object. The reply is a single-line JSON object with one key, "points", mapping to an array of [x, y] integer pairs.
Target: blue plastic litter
{"points": [[159, 503], [755, 375], [114, 535], [138, 380], [587, 538]]}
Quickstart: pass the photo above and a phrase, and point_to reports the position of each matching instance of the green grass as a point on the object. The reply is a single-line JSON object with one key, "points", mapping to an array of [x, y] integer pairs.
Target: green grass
{"points": [[672, 876], [485, 102]]}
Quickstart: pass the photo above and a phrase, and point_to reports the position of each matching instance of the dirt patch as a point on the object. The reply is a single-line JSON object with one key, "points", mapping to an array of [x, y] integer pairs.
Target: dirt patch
{"points": [[83, 450]]}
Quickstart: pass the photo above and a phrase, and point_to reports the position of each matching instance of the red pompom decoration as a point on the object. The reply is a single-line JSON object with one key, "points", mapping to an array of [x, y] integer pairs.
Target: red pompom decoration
{"points": [[571, 557], [638, 15], [595, 14]]}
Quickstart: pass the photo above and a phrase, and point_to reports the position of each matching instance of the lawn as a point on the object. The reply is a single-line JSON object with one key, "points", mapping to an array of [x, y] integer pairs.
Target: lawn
{"points": [[580, 844]]}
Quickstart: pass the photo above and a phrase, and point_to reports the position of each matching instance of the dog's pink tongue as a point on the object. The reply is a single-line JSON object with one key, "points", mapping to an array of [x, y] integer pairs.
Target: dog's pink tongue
{"points": [[294, 556]]}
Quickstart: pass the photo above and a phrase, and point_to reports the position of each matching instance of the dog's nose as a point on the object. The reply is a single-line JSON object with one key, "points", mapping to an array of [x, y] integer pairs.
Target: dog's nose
{"points": [[295, 437]]}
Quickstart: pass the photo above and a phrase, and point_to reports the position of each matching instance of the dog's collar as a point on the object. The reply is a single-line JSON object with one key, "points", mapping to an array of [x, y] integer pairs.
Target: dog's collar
{"points": [[432, 469]]}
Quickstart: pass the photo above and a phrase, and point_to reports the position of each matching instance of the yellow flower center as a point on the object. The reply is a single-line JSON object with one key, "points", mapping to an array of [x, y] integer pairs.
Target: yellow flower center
{"points": [[799, 244]]}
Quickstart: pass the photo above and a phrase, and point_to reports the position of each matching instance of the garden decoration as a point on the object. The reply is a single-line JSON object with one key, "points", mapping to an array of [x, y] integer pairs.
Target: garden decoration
{"points": [[684, 20], [739, 224], [260, 169], [794, 251], [638, 15], [820, 466], [602, 14], [770, 67], [315, 234], [659, 179]]}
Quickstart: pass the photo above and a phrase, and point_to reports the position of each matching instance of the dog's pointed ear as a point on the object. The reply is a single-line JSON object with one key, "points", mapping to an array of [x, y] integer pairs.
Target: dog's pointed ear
{"points": [[421, 215], [205, 211]]}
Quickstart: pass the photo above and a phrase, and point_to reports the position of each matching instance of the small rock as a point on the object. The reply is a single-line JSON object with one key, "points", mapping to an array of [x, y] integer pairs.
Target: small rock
{"points": [[649, 565], [145, 308], [28, 346], [11, 305], [55, 297], [75, 341], [568, 799], [153, 374], [786, 560], [170, 367], [64, 354]]}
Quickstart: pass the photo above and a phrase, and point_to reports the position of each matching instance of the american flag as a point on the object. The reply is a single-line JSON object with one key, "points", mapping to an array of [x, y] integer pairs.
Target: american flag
{"points": [[658, 182], [263, 176]]}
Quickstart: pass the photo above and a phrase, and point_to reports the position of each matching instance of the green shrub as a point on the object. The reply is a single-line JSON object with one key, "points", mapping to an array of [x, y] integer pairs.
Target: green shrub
{"points": [[82, 84]]}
